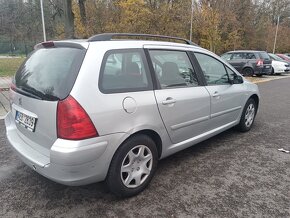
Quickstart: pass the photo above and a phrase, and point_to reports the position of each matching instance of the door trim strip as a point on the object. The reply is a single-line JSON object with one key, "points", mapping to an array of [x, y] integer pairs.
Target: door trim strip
{"points": [[225, 112], [189, 123]]}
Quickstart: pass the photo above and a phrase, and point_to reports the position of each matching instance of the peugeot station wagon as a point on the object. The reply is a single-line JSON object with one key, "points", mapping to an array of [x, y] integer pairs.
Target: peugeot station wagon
{"points": [[110, 107]]}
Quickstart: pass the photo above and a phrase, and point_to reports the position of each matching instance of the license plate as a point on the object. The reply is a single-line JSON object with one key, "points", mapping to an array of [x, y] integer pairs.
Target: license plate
{"points": [[26, 121], [267, 66]]}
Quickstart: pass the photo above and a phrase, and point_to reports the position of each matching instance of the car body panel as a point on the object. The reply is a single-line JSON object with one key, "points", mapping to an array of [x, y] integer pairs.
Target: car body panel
{"points": [[45, 112], [280, 67]]}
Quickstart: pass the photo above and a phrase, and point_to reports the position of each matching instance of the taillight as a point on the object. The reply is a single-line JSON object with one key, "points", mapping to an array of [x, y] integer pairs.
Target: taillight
{"points": [[73, 122], [12, 86], [260, 62]]}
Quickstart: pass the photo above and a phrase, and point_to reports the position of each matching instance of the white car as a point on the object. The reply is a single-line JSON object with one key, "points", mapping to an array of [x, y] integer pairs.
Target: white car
{"points": [[279, 66]]}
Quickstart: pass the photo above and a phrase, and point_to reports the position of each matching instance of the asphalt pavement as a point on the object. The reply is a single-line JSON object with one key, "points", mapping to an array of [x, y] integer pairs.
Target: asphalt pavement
{"points": [[231, 175]]}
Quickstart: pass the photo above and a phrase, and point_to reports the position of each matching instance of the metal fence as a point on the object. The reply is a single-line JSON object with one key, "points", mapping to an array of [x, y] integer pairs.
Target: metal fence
{"points": [[18, 48]]}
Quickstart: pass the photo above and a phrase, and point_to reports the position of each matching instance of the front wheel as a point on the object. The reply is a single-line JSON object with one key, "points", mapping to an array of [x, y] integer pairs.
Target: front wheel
{"points": [[133, 166], [248, 116]]}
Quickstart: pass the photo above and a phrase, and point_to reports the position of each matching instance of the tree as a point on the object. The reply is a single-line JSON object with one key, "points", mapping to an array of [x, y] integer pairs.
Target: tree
{"points": [[68, 19]]}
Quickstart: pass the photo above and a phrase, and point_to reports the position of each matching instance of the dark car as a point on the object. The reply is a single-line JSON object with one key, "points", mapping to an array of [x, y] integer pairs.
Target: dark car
{"points": [[249, 62]]}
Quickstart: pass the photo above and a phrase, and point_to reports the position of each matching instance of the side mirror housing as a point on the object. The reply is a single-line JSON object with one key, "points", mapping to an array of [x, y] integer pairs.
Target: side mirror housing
{"points": [[237, 80]]}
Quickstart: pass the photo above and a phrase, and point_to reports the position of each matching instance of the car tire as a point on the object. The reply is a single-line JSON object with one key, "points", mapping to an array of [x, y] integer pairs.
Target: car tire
{"points": [[272, 72], [132, 166], [248, 71], [248, 116]]}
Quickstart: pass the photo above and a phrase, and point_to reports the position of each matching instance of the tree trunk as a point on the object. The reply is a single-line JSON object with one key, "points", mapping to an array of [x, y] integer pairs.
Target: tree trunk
{"points": [[68, 19], [83, 11]]}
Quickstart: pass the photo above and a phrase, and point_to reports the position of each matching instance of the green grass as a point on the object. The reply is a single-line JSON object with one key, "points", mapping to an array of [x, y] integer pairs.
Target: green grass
{"points": [[8, 66]]}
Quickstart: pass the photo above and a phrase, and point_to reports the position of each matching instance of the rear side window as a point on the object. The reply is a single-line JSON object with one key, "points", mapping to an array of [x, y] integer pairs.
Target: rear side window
{"points": [[50, 73], [124, 71], [250, 56], [238, 56]]}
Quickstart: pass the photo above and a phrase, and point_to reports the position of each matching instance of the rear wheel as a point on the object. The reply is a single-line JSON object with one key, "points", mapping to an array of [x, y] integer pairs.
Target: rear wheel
{"points": [[248, 116], [248, 72], [133, 166]]}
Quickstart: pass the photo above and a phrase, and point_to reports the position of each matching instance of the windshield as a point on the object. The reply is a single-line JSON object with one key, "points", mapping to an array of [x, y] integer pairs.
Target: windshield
{"points": [[275, 57], [49, 73]]}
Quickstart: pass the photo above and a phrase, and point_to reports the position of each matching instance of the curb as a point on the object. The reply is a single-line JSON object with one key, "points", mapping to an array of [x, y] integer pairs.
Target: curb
{"points": [[270, 79]]}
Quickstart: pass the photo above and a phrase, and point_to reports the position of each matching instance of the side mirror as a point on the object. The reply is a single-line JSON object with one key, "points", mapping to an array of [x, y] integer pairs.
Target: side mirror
{"points": [[237, 79]]}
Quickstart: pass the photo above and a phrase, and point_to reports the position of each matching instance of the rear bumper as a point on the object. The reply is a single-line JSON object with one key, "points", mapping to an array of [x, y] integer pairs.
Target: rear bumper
{"points": [[70, 162], [263, 70]]}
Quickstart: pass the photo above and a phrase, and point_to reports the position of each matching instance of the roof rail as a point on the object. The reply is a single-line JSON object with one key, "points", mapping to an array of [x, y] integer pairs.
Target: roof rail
{"points": [[109, 36]]}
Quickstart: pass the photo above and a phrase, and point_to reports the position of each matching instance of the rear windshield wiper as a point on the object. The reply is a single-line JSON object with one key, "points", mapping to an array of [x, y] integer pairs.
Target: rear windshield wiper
{"points": [[22, 91], [37, 94]]}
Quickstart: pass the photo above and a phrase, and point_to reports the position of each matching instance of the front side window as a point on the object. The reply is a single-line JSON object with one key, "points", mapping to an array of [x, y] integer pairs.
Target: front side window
{"points": [[173, 69], [124, 71], [214, 71]]}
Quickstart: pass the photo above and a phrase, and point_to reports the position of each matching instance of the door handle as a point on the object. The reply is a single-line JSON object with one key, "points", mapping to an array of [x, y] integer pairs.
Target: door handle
{"points": [[168, 100], [216, 94]]}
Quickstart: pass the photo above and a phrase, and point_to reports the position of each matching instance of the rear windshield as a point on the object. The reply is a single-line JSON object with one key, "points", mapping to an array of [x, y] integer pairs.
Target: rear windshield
{"points": [[49, 73], [264, 55]]}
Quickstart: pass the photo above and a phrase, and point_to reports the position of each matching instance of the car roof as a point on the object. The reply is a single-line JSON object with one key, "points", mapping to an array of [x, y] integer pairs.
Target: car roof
{"points": [[128, 43], [237, 51], [121, 38]]}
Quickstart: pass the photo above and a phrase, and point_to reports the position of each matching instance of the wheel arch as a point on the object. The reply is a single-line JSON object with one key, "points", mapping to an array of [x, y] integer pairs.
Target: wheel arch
{"points": [[248, 67], [153, 135], [256, 99]]}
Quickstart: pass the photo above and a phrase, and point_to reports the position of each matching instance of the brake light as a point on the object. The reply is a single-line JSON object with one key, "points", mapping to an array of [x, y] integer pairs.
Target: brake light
{"points": [[12, 86], [260, 62], [73, 122], [47, 44]]}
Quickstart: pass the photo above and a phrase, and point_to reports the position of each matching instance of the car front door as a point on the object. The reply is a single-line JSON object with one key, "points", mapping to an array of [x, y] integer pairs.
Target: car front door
{"points": [[183, 103], [226, 98]]}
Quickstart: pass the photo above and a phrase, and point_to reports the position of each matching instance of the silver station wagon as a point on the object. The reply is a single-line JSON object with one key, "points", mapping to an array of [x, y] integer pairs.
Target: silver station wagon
{"points": [[109, 107]]}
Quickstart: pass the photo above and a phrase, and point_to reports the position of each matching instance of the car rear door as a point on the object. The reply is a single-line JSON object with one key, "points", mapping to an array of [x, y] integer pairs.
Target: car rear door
{"points": [[184, 104], [237, 61], [226, 98]]}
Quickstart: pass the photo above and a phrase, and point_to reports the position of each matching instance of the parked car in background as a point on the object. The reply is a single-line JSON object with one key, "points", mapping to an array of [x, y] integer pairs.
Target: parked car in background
{"points": [[84, 111], [249, 62], [287, 54], [284, 57], [278, 64]]}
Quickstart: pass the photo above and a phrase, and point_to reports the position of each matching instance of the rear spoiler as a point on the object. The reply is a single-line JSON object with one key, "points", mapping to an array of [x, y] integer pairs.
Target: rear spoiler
{"points": [[67, 44]]}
